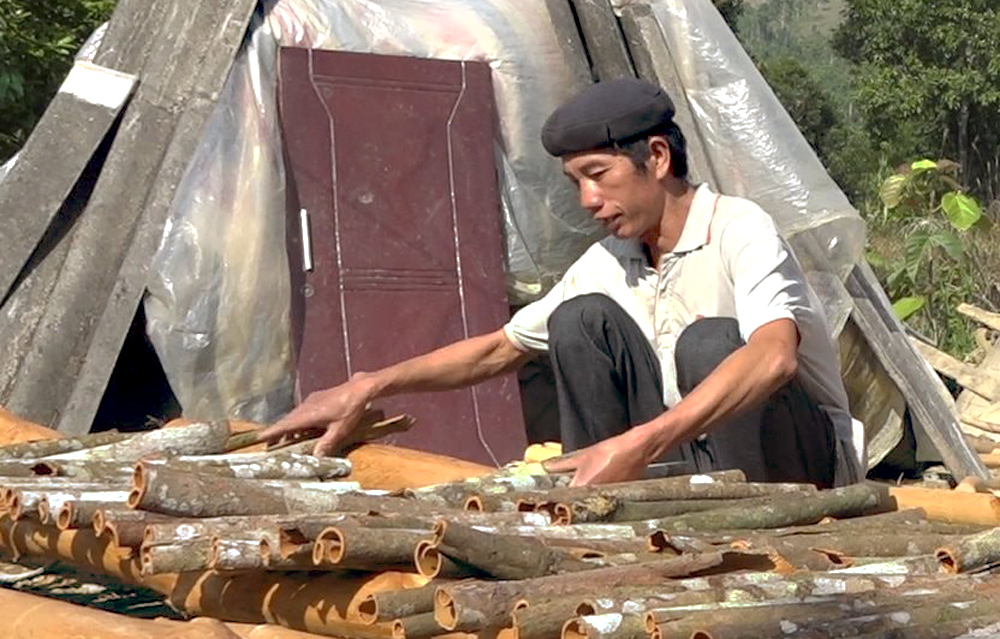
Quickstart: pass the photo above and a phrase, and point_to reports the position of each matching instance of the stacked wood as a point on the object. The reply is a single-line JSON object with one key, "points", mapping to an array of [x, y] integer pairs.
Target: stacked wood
{"points": [[669, 557]]}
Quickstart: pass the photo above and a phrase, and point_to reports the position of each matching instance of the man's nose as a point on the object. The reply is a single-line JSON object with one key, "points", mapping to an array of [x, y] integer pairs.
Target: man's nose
{"points": [[590, 197]]}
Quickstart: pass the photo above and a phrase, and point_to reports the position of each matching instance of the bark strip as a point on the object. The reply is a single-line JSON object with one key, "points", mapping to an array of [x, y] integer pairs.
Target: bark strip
{"points": [[369, 549], [972, 553]]}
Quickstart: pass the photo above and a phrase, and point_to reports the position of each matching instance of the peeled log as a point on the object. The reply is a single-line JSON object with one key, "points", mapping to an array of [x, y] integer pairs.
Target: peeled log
{"points": [[787, 510], [975, 552], [393, 468]]}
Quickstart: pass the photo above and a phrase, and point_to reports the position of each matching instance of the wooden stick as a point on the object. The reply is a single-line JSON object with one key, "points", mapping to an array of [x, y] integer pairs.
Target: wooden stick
{"points": [[991, 320], [968, 376]]}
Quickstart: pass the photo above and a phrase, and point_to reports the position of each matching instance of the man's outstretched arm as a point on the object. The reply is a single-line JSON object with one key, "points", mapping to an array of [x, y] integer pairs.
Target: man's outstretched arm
{"points": [[338, 410]]}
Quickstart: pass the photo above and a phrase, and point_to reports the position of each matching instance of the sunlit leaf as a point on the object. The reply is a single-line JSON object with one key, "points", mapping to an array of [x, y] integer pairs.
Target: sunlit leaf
{"points": [[962, 211], [923, 165], [892, 190], [906, 306]]}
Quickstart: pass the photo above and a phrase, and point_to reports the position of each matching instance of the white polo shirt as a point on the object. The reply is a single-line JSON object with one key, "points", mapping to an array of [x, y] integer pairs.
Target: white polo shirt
{"points": [[729, 262]]}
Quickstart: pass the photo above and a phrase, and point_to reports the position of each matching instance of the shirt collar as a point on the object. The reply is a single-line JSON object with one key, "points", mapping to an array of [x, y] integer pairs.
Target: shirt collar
{"points": [[699, 220], [694, 235]]}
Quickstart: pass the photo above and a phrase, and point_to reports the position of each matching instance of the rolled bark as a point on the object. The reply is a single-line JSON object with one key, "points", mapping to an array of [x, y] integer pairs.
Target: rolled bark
{"points": [[416, 626], [707, 486], [472, 605], [950, 506], [918, 565], [850, 501], [387, 606], [455, 494], [432, 563], [235, 554], [504, 556], [161, 489], [45, 448], [972, 553], [262, 465], [203, 438], [543, 620], [24, 501], [52, 503], [79, 513], [300, 559], [303, 601], [370, 549], [613, 625], [126, 528], [188, 555], [643, 510], [841, 549], [27, 468]]}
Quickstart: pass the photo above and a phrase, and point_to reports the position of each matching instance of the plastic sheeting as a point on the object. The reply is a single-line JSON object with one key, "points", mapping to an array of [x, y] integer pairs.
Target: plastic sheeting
{"points": [[756, 151], [217, 310]]}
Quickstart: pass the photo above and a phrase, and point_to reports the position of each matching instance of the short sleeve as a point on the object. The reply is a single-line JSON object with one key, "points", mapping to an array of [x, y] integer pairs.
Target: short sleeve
{"points": [[528, 329], [768, 283]]}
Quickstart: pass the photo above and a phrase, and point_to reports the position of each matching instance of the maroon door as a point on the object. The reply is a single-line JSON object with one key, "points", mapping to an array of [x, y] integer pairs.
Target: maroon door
{"points": [[395, 240]]}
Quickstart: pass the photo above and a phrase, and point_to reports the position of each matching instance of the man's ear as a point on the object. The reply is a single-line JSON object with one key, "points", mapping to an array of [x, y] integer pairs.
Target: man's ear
{"points": [[659, 157]]}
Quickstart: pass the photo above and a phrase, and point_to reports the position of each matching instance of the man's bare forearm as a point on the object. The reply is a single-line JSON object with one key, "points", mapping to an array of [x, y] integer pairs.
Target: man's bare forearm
{"points": [[457, 365]]}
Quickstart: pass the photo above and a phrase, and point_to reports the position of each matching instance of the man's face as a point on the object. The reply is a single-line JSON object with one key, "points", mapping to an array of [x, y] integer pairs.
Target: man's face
{"points": [[626, 201]]}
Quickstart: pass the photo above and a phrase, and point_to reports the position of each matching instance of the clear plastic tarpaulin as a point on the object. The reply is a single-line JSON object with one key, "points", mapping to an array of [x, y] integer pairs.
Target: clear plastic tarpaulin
{"points": [[218, 304]]}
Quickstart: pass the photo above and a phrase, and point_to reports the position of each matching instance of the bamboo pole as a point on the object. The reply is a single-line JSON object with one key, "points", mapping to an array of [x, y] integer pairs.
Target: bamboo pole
{"points": [[975, 552]]}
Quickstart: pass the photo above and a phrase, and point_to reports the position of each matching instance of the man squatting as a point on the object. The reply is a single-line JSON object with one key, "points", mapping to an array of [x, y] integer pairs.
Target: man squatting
{"points": [[688, 334]]}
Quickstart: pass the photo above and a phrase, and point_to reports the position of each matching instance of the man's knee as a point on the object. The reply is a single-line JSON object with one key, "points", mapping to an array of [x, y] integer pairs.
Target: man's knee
{"points": [[581, 315], [701, 347]]}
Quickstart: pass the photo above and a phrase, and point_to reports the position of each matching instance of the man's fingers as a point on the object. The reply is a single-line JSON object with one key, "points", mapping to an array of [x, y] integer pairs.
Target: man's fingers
{"points": [[329, 443], [561, 464]]}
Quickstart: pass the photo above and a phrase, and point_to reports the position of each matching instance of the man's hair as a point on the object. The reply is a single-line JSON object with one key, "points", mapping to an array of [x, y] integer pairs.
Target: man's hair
{"points": [[638, 151]]}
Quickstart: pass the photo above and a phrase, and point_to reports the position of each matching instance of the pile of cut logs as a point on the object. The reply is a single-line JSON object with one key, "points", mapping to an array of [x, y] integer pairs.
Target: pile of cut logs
{"points": [[287, 538]]}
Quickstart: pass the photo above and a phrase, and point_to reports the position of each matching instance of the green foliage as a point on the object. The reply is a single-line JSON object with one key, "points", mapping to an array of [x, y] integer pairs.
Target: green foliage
{"points": [[37, 43], [802, 96], [936, 268], [730, 10], [927, 76]]}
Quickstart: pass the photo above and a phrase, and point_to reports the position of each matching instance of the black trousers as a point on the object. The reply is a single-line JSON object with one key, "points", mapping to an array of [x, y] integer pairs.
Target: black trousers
{"points": [[608, 380]]}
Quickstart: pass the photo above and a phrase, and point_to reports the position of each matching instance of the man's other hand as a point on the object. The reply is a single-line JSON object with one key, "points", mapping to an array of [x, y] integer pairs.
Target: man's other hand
{"points": [[619, 458], [334, 412]]}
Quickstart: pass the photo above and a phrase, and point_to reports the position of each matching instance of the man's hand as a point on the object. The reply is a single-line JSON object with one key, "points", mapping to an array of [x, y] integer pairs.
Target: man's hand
{"points": [[619, 458], [337, 411]]}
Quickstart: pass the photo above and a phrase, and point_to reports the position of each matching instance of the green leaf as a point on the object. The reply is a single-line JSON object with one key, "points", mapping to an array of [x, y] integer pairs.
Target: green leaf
{"points": [[913, 252], [892, 190], [962, 211], [950, 242], [923, 165], [906, 306]]}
